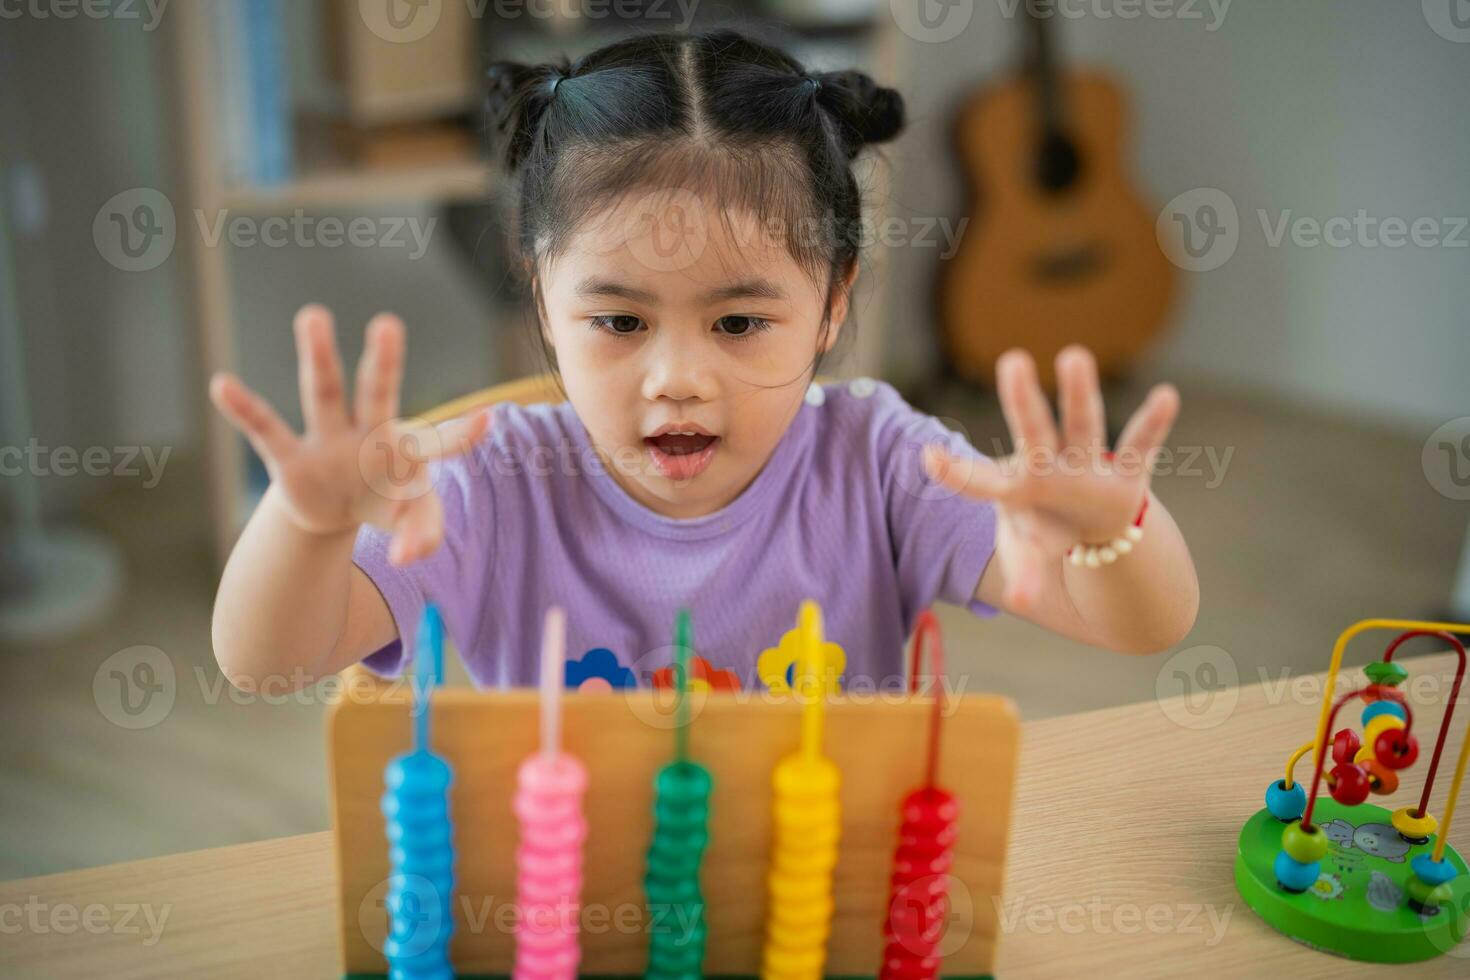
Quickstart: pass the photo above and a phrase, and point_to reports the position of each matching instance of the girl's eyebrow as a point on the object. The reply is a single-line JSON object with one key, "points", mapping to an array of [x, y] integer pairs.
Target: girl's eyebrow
{"points": [[749, 288], [745, 289], [593, 286]]}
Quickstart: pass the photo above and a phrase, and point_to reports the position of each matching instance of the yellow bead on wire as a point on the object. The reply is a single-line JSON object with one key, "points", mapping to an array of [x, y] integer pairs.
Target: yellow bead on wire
{"points": [[807, 819]]}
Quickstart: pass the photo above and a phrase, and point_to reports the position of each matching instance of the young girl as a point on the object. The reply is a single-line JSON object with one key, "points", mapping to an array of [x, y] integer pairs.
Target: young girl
{"points": [[688, 218]]}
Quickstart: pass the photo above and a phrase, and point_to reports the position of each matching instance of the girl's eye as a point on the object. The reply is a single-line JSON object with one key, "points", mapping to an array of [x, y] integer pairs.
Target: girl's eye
{"points": [[616, 323], [741, 327]]}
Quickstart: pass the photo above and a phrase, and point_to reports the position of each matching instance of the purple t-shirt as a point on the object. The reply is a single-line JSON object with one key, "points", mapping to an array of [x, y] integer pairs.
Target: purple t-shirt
{"points": [[842, 513]]}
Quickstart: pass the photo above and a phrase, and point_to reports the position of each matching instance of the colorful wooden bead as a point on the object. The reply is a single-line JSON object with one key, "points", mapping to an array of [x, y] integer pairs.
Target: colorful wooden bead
{"points": [[1425, 895], [1396, 748], [1344, 744], [1411, 826], [1304, 846], [1381, 779], [1365, 754], [1378, 726], [1433, 872], [1385, 673], [1383, 708], [1286, 804], [1295, 876], [1349, 783]]}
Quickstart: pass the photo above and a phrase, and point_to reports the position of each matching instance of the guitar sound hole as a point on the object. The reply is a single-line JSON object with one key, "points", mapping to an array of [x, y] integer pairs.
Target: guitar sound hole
{"points": [[1057, 163]]}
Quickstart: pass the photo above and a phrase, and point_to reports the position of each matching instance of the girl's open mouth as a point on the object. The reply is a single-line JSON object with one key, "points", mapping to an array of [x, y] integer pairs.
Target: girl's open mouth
{"points": [[681, 457]]}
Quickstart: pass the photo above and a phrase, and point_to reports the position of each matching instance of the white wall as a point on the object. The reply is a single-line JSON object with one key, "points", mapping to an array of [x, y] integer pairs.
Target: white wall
{"points": [[1323, 107]]}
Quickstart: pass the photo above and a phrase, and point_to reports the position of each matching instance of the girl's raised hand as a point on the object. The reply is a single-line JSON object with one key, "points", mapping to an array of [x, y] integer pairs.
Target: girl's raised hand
{"points": [[1057, 489], [354, 466]]}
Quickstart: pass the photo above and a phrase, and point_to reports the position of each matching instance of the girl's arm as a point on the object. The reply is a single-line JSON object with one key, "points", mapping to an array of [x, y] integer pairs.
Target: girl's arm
{"points": [[292, 607], [1057, 489]]}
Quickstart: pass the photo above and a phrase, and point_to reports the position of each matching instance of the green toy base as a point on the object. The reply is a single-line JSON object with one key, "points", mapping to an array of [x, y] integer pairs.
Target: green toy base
{"points": [[1358, 907]]}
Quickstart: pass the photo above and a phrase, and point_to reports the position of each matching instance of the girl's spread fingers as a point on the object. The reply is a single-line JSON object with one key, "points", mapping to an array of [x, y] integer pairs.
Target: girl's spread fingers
{"points": [[460, 435], [1083, 418], [418, 527], [972, 476], [1024, 403], [380, 372], [1150, 425], [252, 415], [319, 369]]}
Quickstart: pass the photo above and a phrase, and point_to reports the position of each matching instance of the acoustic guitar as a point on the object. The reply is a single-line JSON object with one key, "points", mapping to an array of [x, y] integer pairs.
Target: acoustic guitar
{"points": [[1061, 249]]}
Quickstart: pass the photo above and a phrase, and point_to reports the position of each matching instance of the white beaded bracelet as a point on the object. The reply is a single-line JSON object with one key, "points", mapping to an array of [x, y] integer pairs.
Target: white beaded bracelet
{"points": [[1097, 555], [1094, 555]]}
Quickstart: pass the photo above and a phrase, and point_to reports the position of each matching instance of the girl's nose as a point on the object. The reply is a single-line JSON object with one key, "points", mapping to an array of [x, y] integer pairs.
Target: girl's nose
{"points": [[677, 370]]}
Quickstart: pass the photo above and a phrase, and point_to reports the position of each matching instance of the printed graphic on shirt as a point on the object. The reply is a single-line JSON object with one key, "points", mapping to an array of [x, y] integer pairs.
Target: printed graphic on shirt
{"points": [[703, 677], [777, 665], [598, 670]]}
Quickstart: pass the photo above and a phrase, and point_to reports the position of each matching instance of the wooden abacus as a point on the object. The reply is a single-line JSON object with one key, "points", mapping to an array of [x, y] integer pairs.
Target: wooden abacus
{"points": [[879, 742]]}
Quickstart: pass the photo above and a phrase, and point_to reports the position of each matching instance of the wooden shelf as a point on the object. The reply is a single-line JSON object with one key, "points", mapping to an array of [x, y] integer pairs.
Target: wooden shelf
{"points": [[339, 185]]}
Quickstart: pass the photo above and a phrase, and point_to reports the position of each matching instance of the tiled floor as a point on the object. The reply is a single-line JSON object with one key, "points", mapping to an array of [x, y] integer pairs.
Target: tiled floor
{"points": [[1315, 523]]}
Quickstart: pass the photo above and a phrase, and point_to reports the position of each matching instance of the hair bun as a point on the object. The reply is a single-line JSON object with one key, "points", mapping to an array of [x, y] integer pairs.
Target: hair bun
{"points": [[516, 98], [866, 112]]}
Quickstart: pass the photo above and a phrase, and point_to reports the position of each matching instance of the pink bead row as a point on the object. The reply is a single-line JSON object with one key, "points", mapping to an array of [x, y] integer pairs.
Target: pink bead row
{"points": [[548, 803]]}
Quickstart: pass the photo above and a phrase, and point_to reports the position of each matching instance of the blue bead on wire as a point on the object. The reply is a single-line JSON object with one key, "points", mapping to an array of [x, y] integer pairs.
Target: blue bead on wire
{"points": [[420, 836]]}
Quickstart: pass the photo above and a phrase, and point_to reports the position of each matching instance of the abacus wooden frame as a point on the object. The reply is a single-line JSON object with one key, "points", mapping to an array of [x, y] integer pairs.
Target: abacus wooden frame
{"points": [[877, 740]]}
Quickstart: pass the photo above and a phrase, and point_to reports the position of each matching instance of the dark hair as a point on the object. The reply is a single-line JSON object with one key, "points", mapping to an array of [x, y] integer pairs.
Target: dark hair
{"points": [[734, 120]]}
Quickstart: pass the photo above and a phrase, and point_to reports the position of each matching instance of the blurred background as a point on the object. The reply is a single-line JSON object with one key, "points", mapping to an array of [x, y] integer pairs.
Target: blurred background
{"points": [[1264, 203]]}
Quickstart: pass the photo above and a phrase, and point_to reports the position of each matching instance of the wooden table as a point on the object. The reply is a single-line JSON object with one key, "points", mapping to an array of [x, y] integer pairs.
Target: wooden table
{"points": [[1121, 860]]}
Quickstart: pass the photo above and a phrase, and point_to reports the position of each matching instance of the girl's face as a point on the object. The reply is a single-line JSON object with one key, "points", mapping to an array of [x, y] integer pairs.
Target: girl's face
{"points": [[685, 338]]}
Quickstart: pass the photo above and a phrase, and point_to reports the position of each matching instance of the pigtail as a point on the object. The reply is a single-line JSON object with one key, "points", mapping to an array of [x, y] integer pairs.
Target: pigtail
{"points": [[516, 102], [864, 111]]}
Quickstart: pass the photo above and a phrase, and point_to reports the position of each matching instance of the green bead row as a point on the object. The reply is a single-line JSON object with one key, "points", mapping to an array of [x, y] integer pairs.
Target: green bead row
{"points": [[671, 886]]}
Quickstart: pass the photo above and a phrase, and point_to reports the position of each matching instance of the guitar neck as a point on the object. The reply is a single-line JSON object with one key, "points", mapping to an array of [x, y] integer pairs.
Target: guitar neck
{"points": [[1041, 65]]}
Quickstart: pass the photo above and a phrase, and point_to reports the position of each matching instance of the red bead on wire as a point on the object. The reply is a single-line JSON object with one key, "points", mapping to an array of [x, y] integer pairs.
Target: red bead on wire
{"points": [[919, 887]]}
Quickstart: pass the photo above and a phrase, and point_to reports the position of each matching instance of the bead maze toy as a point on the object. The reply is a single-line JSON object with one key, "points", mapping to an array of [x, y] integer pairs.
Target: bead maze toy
{"points": [[1346, 876], [796, 846]]}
